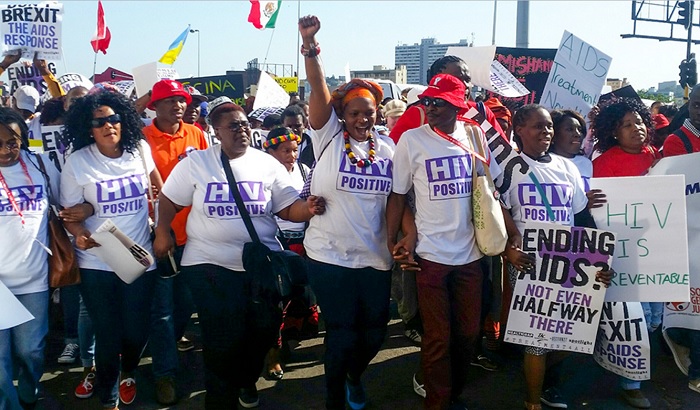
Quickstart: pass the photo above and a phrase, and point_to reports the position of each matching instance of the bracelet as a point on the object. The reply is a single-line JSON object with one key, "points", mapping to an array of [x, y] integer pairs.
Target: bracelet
{"points": [[311, 52]]}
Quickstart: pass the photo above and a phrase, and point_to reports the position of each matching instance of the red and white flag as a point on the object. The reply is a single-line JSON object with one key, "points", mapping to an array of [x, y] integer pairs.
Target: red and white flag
{"points": [[100, 41]]}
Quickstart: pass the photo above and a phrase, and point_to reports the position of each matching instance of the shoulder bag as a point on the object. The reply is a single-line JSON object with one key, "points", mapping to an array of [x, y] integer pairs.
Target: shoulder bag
{"points": [[275, 272], [63, 263]]}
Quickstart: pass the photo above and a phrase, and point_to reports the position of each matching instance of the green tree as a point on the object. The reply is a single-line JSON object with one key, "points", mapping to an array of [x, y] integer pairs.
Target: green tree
{"points": [[645, 94]]}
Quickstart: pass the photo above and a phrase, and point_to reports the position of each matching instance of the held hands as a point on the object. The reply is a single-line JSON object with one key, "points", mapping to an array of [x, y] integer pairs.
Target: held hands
{"points": [[596, 198], [308, 27], [403, 251], [316, 204], [77, 213]]}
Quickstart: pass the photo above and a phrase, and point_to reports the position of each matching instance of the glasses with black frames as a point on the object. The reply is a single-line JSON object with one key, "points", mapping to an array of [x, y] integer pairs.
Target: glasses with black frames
{"points": [[100, 122], [435, 102]]}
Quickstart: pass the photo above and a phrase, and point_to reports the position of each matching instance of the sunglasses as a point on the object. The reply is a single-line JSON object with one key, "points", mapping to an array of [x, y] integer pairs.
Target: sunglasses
{"points": [[235, 126], [11, 145], [435, 102], [100, 122]]}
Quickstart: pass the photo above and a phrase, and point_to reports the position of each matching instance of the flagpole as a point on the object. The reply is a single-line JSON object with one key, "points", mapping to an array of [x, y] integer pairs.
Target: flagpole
{"points": [[94, 67], [269, 45]]}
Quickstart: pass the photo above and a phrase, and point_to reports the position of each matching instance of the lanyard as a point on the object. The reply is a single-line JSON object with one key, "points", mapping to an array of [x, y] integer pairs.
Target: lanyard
{"points": [[460, 144], [11, 196]]}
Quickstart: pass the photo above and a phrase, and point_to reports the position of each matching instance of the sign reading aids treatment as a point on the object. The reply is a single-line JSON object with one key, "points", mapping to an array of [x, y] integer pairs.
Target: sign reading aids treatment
{"points": [[577, 76], [623, 341], [648, 217], [557, 304], [32, 28], [685, 313]]}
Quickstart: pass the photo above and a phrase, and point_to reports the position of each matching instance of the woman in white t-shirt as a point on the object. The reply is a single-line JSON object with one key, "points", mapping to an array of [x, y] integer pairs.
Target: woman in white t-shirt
{"points": [[350, 265], [111, 168], [230, 310]]}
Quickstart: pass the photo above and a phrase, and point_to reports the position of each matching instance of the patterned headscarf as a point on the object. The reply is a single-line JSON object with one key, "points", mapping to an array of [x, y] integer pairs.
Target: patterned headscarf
{"points": [[356, 88], [499, 110]]}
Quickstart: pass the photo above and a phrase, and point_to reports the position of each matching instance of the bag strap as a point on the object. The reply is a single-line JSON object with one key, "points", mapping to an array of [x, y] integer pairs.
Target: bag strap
{"points": [[461, 145], [148, 174], [42, 167], [540, 190], [233, 187], [684, 139]]}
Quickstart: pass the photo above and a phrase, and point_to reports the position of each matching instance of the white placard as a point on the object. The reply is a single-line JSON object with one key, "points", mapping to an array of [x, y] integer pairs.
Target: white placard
{"points": [[623, 345], [577, 76], [146, 75], [269, 93], [13, 312], [32, 28], [648, 216], [504, 83], [258, 137], [128, 259], [478, 60]]}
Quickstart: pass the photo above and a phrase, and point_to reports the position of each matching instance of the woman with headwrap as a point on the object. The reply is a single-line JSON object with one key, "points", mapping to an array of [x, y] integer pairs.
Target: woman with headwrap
{"points": [[349, 263]]}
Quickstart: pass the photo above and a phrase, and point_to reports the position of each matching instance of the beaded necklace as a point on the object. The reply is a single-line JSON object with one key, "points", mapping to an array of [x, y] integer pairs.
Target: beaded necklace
{"points": [[362, 163]]}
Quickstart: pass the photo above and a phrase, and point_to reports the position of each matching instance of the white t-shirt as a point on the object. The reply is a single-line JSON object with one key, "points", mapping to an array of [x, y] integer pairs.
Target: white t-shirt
{"points": [[118, 190], [24, 266], [440, 173], [298, 184], [585, 167], [562, 185], [352, 231], [215, 231]]}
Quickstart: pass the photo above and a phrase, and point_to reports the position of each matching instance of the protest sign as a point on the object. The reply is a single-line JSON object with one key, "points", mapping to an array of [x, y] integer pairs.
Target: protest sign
{"points": [[148, 74], [68, 81], [504, 83], [531, 67], [32, 28], [681, 313], [52, 141], [648, 217], [269, 93], [577, 76], [289, 84], [27, 74], [128, 259], [258, 137], [229, 85], [13, 312], [478, 60], [557, 305], [623, 346]]}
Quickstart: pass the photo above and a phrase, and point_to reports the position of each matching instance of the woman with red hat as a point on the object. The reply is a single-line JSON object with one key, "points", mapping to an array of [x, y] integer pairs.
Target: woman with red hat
{"points": [[349, 265]]}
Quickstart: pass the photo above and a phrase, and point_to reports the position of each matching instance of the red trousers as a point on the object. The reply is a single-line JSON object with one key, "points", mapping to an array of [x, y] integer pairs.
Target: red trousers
{"points": [[449, 298]]}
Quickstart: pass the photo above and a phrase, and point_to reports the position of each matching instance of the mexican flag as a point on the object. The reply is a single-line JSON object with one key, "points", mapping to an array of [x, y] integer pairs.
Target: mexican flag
{"points": [[263, 14]]}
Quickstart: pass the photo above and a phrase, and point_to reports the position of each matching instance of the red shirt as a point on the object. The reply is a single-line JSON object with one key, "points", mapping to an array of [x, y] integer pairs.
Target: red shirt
{"points": [[674, 146], [413, 118], [617, 163]]}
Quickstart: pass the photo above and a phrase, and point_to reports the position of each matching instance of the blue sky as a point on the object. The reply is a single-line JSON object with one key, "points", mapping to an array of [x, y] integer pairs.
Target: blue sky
{"points": [[361, 33]]}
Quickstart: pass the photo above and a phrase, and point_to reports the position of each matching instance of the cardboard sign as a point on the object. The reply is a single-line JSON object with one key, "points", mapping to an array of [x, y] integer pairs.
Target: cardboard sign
{"points": [[577, 76], [54, 146], [623, 345], [648, 216], [258, 137], [504, 83], [27, 74], [269, 93], [289, 84], [557, 305], [681, 313], [148, 74], [478, 60], [32, 28], [229, 85], [531, 67]]}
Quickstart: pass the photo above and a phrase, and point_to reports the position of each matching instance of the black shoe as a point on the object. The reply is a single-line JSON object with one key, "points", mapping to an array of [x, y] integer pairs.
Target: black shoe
{"points": [[248, 398]]}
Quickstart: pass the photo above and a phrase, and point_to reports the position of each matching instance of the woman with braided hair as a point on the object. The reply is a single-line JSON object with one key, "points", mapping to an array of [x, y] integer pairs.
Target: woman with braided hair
{"points": [[349, 263]]}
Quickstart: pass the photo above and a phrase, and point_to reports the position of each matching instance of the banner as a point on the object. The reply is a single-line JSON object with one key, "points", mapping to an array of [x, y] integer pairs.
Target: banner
{"points": [[557, 305], [229, 85], [623, 345], [32, 28], [681, 313], [577, 76], [27, 74], [530, 66], [648, 217], [289, 84]]}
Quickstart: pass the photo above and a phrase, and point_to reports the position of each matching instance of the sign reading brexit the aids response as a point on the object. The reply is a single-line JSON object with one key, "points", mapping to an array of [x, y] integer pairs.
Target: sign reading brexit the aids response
{"points": [[685, 313], [577, 76], [648, 216], [557, 304], [623, 341], [32, 28]]}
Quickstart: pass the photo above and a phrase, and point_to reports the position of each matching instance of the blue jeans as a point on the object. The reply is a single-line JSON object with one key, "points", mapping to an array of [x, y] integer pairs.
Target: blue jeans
{"points": [[86, 336], [118, 313], [355, 307], [235, 342], [691, 339], [653, 314], [171, 310], [70, 302], [27, 342]]}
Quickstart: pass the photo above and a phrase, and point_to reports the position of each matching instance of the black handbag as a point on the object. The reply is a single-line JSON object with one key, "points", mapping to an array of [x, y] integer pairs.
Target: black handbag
{"points": [[275, 272]]}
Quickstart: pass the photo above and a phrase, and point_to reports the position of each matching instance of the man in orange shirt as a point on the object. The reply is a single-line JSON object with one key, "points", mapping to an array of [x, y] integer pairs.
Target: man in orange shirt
{"points": [[170, 139]]}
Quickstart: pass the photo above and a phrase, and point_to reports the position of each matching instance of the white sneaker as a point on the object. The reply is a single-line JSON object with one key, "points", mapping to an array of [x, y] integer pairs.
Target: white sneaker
{"points": [[70, 354], [418, 388]]}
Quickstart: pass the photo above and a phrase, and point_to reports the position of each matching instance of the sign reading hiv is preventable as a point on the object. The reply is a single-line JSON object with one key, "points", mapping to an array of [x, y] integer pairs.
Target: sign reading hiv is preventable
{"points": [[623, 341], [577, 76], [648, 216], [681, 313], [557, 305], [32, 28]]}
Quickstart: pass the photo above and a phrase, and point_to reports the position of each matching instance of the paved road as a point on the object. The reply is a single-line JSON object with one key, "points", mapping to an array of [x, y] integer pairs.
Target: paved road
{"points": [[388, 382]]}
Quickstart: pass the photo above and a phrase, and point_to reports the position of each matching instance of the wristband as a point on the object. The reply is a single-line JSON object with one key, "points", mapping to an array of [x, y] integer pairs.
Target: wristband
{"points": [[311, 52]]}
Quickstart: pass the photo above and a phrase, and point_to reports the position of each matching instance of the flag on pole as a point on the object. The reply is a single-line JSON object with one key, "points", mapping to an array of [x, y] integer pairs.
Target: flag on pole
{"points": [[100, 41], [174, 50], [263, 14]]}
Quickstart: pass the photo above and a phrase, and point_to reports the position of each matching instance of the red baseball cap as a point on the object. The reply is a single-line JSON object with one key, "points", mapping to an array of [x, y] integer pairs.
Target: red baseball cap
{"points": [[166, 89], [447, 87]]}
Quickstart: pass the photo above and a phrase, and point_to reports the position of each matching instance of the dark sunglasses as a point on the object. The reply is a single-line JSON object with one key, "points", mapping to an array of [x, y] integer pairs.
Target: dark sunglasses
{"points": [[435, 102], [100, 122], [235, 126], [11, 145]]}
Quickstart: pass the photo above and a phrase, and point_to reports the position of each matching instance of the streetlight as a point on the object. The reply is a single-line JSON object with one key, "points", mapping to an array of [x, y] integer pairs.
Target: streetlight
{"points": [[198, 49]]}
